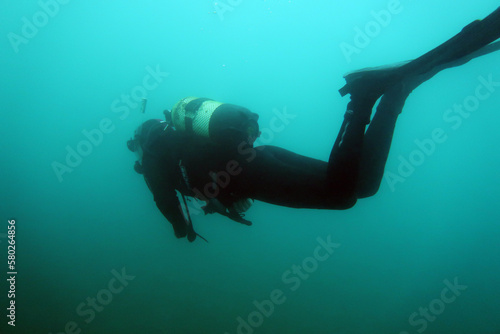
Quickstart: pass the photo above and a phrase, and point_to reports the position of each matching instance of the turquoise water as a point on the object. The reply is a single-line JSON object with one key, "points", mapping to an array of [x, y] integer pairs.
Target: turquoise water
{"points": [[94, 255]]}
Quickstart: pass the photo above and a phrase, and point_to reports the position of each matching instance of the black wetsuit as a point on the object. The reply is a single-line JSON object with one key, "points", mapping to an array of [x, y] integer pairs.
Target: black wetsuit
{"points": [[199, 168]]}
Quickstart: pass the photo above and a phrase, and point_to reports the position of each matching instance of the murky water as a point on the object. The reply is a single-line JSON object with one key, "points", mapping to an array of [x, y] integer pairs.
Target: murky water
{"points": [[94, 255]]}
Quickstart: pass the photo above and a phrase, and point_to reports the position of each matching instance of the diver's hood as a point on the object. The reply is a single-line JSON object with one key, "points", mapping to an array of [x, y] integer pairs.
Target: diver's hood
{"points": [[144, 136]]}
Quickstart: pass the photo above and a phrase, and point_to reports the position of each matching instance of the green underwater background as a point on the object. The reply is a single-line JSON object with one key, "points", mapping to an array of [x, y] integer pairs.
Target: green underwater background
{"points": [[95, 255]]}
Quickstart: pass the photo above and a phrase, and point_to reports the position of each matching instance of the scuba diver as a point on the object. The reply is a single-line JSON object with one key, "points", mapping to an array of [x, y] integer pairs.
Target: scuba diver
{"points": [[205, 149]]}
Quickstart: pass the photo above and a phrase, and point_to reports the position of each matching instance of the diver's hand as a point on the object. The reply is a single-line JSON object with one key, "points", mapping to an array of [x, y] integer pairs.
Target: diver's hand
{"points": [[184, 230], [191, 237], [180, 231], [191, 234]]}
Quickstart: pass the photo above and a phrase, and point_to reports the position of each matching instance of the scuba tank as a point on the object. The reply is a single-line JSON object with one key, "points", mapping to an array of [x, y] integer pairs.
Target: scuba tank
{"points": [[221, 123], [225, 125]]}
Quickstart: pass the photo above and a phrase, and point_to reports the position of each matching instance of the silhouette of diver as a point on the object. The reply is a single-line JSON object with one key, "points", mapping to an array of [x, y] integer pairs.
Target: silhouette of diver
{"points": [[228, 173]]}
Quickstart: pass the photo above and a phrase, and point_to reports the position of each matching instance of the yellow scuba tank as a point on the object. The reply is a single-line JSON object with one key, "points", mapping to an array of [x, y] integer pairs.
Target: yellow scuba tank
{"points": [[222, 123]]}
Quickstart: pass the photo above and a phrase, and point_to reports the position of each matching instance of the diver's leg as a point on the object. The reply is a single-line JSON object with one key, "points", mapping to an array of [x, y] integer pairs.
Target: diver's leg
{"points": [[378, 139], [274, 175], [345, 157], [281, 177]]}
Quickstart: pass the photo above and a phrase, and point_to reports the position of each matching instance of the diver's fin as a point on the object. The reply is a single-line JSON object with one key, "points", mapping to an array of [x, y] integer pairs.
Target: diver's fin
{"points": [[458, 50], [472, 38], [368, 78]]}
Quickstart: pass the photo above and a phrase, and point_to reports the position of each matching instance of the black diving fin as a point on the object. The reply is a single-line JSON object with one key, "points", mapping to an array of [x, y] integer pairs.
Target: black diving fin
{"points": [[474, 40]]}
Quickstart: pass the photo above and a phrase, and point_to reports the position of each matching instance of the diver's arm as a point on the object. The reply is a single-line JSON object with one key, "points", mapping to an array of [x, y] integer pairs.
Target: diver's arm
{"points": [[161, 185], [171, 210]]}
